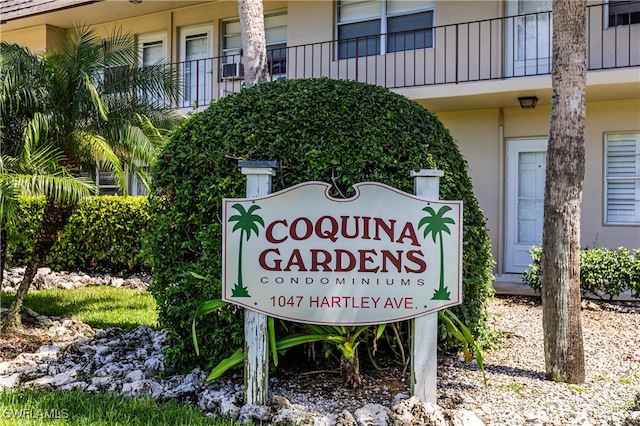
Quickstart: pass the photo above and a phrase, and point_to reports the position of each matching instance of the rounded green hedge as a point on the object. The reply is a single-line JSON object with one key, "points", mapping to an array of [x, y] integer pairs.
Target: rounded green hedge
{"points": [[335, 131]]}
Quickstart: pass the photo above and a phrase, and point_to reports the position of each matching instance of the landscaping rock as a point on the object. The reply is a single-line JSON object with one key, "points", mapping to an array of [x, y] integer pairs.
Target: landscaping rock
{"points": [[255, 413], [132, 364], [45, 279], [9, 381], [465, 418]]}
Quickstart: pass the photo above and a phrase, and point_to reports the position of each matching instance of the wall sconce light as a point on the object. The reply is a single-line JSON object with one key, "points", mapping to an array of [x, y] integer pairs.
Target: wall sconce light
{"points": [[135, 1], [528, 102]]}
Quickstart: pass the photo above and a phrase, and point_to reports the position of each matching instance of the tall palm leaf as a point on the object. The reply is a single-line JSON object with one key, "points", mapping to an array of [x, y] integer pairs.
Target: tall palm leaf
{"points": [[93, 105]]}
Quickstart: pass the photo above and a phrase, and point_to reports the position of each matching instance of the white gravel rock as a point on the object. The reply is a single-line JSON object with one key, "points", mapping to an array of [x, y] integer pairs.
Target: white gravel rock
{"points": [[517, 392]]}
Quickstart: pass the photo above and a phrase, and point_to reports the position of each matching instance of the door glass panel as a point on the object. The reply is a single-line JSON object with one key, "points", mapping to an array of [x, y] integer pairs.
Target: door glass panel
{"points": [[152, 54], [529, 37], [196, 50], [530, 208]]}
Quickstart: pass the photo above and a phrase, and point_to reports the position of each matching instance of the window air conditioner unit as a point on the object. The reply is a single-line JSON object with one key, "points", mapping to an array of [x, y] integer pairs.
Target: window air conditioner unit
{"points": [[232, 71]]}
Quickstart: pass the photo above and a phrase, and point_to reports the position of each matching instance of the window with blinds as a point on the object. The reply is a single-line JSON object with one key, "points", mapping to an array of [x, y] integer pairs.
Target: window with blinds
{"points": [[622, 178], [376, 27]]}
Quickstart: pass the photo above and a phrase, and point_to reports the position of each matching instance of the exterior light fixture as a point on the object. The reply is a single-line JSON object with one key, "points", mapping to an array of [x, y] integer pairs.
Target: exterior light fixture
{"points": [[528, 102]]}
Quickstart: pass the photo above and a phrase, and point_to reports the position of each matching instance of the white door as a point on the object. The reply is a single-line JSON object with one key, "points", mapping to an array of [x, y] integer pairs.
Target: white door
{"points": [[196, 57], [528, 49], [526, 167]]}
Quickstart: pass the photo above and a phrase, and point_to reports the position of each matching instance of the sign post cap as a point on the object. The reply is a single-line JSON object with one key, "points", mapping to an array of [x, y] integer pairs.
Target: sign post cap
{"points": [[427, 173], [259, 164]]}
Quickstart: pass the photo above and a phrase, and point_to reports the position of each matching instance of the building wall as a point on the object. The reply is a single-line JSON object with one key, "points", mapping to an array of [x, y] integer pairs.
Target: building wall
{"points": [[477, 133], [483, 140], [605, 117], [37, 38], [482, 116], [310, 21]]}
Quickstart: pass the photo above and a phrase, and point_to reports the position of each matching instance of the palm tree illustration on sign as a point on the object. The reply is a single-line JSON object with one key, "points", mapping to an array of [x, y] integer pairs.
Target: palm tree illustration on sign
{"points": [[435, 224], [247, 222]]}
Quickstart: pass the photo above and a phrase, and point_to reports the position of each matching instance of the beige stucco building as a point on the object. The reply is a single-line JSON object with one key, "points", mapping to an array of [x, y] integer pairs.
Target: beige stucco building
{"points": [[470, 62]]}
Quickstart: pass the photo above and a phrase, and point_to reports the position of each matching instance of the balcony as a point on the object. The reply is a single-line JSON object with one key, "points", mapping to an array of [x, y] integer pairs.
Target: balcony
{"points": [[486, 50]]}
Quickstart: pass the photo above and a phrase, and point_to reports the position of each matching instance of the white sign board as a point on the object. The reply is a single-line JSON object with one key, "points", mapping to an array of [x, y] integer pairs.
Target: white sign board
{"points": [[381, 256]]}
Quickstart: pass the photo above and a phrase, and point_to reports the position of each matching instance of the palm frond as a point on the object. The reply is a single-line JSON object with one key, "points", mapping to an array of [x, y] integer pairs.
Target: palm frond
{"points": [[102, 152], [96, 100], [62, 189], [35, 133], [120, 49], [8, 202], [56, 109]]}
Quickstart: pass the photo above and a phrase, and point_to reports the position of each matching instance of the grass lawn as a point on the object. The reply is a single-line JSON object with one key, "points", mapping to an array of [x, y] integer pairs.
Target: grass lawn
{"points": [[26, 407], [98, 306]]}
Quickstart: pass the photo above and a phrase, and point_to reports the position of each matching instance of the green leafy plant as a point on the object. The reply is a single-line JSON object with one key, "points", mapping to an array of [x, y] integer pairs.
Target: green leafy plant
{"points": [[335, 131], [516, 388], [604, 273], [346, 339], [577, 389], [461, 332], [69, 104]]}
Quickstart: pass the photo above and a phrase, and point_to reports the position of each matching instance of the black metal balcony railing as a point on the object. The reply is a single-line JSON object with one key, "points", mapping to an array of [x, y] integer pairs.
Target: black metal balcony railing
{"points": [[491, 49]]}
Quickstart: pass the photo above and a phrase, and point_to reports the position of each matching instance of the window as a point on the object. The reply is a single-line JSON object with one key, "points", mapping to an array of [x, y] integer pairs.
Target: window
{"points": [[152, 51], [623, 12], [275, 28], [107, 183], [136, 185], [104, 179], [622, 178], [376, 27], [196, 70]]}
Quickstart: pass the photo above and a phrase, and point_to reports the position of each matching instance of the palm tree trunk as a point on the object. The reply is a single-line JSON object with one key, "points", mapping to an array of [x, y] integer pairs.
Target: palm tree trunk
{"points": [[254, 44], [560, 262], [3, 251], [55, 217]]}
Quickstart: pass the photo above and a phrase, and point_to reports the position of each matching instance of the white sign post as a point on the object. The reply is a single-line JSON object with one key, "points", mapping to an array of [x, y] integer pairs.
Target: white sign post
{"points": [[378, 257], [256, 365], [424, 342]]}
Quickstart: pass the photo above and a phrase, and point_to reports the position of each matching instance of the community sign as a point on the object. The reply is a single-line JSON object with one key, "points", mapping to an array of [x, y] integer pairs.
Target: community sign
{"points": [[378, 257]]}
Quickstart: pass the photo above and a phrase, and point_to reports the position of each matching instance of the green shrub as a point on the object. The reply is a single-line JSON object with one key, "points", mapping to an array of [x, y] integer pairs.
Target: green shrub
{"points": [[340, 132], [104, 234], [604, 273], [21, 235]]}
